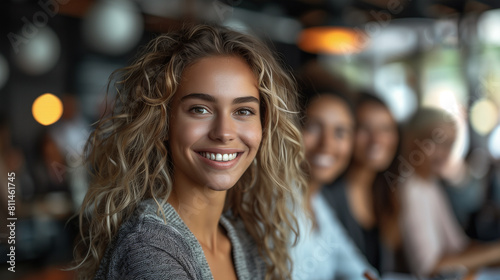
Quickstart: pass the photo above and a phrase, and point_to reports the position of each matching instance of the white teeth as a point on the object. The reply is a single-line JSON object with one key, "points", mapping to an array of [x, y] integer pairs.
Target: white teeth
{"points": [[323, 160], [219, 157]]}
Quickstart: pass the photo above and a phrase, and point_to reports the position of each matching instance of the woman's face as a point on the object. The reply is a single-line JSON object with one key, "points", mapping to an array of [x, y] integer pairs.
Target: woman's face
{"points": [[328, 137], [215, 129], [376, 137]]}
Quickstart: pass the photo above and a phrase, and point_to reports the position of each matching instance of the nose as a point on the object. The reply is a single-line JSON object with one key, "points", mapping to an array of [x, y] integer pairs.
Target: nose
{"points": [[223, 129], [327, 141], [375, 136]]}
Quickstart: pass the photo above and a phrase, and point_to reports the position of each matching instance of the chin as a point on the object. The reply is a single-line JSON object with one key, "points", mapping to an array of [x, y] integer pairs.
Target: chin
{"points": [[220, 186], [325, 178]]}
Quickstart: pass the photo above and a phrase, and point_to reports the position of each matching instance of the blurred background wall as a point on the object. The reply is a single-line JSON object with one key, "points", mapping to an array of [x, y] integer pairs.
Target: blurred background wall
{"points": [[442, 53]]}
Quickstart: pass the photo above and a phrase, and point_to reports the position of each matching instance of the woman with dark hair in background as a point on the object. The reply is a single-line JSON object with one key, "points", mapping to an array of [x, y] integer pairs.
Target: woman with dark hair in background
{"points": [[324, 250], [364, 198]]}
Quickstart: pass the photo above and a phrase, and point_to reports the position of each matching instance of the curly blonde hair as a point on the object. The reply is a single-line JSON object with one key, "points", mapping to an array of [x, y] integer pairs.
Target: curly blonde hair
{"points": [[129, 159]]}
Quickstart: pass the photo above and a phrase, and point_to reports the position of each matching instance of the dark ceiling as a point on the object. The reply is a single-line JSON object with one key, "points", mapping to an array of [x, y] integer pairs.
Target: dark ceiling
{"points": [[308, 12]]}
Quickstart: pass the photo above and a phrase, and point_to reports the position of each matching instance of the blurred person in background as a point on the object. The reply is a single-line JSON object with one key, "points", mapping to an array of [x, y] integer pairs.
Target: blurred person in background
{"points": [[364, 199], [433, 239], [324, 250]]}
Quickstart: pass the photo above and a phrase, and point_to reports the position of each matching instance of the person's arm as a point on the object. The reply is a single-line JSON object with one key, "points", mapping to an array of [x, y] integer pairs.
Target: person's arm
{"points": [[351, 262], [473, 257], [149, 263], [147, 255], [421, 240]]}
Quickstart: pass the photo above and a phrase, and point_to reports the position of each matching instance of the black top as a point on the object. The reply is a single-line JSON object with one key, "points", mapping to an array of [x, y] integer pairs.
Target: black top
{"points": [[368, 240]]}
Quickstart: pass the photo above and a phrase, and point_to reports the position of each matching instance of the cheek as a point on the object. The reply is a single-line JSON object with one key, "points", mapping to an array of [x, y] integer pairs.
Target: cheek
{"points": [[184, 133], [390, 139], [361, 140], [251, 134], [344, 149], [310, 141], [441, 152]]}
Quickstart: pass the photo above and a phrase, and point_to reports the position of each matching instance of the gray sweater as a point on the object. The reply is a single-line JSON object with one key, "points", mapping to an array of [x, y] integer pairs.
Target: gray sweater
{"points": [[147, 248]]}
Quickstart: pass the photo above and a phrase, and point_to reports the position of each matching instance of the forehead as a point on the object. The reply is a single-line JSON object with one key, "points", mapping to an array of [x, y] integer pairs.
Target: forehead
{"points": [[327, 103], [372, 112], [329, 109], [216, 73]]}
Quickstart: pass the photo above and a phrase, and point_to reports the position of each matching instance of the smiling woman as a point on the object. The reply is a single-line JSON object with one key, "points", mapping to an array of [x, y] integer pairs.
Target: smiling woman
{"points": [[222, 121], [192, 174]]}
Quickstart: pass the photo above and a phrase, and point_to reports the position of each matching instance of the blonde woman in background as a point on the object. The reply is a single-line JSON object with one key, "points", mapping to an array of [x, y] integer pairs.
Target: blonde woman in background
{"points": [[191, 175], [433, 239]]}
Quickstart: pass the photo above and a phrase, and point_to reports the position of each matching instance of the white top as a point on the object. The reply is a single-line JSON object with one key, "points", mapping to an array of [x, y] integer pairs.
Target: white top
{"points": [[430, 230], [326, 252]]}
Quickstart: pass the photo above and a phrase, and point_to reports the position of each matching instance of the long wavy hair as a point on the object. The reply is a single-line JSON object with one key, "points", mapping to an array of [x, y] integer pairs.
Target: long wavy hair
{"points": [[129, 159]]}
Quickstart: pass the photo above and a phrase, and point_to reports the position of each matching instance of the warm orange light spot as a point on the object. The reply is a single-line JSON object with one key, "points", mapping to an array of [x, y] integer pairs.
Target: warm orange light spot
{"points": [[332, 40], [47, 109]]}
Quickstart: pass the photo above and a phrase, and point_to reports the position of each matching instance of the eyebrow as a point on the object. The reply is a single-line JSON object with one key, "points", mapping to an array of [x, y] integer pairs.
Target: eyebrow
{"points": [[245, 99], [202, 96], [210, 98]]}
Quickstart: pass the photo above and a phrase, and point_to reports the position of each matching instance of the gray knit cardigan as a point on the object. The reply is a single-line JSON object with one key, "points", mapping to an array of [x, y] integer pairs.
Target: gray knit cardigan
{"points": [[147, 248]]}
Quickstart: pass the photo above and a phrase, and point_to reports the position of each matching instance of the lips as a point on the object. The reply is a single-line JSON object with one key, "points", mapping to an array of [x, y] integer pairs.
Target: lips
{"points": [[375, 152], [219, 156]]}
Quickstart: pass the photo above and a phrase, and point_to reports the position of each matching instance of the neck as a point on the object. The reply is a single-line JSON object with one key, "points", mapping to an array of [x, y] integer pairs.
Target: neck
{"points": [[360, 176], [313, 187], [424, 172], [200, 209]]}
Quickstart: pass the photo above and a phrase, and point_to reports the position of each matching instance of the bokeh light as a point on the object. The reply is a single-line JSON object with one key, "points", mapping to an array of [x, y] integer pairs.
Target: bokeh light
{"points": [[331, 40], [494, 143], [487, 27], [483, 116], [47, 109], [113, 27], [40, 54], [391, 41], [392, 87]]}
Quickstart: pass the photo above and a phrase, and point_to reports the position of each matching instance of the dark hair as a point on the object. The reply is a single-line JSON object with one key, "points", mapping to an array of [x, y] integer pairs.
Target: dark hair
{"points": [[307, 98], [366, 97], [385, 200]]}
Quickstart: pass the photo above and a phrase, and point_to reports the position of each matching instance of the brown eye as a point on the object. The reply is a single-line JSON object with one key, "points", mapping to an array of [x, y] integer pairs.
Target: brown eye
{"points": [[199, 110], [245, 112]]}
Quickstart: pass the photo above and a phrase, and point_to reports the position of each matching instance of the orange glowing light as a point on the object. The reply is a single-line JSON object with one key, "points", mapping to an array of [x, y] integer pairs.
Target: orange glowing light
{"points": [[47, 109], [332, 40]]}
